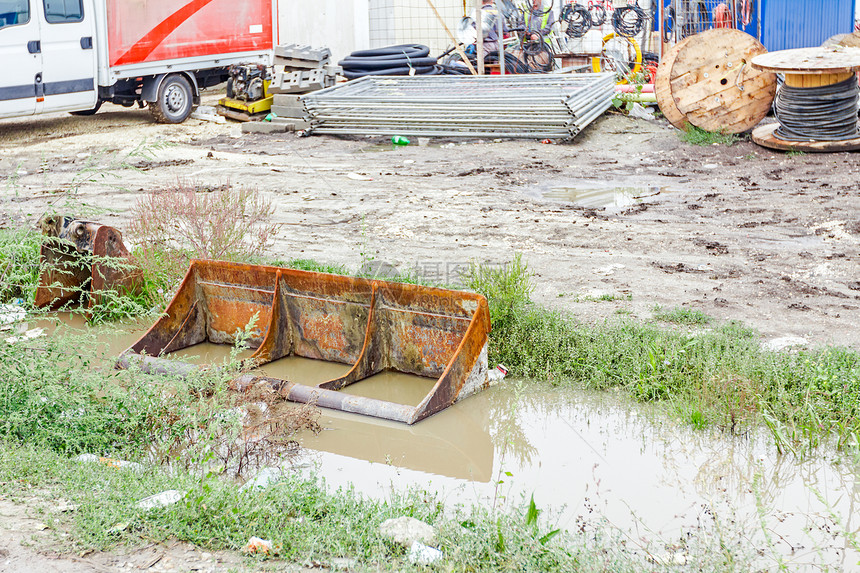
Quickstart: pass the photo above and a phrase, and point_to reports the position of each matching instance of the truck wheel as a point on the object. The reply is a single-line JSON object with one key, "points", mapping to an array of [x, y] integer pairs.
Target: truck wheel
{"points": [[175, 100], [88, 111]]}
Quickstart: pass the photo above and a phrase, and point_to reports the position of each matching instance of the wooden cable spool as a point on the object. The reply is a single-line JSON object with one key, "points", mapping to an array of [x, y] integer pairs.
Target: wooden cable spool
{"points": [[808, 68], [707, 81], [848, 40]]}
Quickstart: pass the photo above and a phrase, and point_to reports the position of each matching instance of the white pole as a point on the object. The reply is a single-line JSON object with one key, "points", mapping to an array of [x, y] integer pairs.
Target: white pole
{"points": [[479, 24], [500, 34]]}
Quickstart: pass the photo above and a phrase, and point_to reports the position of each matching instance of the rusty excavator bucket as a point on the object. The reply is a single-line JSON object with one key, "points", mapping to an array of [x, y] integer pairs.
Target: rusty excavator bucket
{"points": [[372, 325], [82, 260]]}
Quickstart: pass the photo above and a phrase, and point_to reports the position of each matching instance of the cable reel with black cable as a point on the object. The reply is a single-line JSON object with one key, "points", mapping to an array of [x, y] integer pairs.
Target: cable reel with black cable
{"points": [[578, 20], [628, 21], [823, 113]]}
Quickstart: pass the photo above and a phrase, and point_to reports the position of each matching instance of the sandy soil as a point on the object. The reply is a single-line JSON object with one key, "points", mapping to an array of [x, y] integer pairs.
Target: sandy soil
{"points": [[738, 232]]}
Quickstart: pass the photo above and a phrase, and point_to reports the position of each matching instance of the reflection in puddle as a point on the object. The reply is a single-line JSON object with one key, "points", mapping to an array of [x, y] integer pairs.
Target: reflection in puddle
{"points": [[603, 196], [598, 459], [110, 340]]}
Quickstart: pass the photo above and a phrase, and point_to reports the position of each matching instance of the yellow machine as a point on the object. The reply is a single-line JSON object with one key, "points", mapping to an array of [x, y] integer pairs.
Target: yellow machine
{"points": [[247, 92]]}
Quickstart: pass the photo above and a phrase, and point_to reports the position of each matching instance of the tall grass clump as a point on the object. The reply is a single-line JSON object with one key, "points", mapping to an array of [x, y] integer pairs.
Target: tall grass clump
{"points": [[684, 316], [173, 225], [721, 377]]}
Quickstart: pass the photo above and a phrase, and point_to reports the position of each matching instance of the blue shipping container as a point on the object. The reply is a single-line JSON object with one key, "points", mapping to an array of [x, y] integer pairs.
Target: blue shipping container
{"points": [[787, 24]]}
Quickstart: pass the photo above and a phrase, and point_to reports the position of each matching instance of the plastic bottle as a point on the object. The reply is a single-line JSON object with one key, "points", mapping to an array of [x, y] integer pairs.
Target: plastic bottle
{"points": [[399, 140]]}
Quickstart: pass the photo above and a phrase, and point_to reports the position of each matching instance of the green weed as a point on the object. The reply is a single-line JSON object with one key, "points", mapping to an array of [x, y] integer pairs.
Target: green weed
{"points": [[605, 297], [310, 265], [19, 264], [681, 315], [697, 136]]}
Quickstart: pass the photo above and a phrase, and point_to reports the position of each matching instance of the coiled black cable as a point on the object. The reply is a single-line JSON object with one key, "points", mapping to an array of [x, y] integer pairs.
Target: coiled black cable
{"points": [[578, 20], [513, 65], [668, 23], [598, 14], [825, 113], [402, 60], [629, 20], [537, 55]]}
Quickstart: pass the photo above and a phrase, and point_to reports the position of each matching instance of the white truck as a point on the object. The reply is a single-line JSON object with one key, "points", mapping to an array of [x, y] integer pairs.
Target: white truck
{"points": [[73, 55]]}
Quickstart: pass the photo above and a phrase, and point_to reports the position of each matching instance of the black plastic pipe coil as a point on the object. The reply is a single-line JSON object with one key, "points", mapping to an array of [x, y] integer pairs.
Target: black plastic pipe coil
{"points": [[402, 60], [826, 113]]}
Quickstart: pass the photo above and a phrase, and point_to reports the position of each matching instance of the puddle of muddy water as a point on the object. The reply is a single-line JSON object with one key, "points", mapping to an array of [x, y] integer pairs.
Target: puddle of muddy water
{"points": [[304, 370], [592, 458], [394, 387], [608, 197], [113, 338], [597, 459]]}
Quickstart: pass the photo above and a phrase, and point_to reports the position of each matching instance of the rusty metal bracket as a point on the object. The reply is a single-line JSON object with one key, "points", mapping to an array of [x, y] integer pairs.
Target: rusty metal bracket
{"points": [[82, 260], [373, 325]]}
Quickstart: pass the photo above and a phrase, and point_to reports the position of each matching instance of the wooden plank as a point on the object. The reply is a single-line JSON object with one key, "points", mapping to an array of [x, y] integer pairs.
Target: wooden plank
{"points": [[824, 60]]}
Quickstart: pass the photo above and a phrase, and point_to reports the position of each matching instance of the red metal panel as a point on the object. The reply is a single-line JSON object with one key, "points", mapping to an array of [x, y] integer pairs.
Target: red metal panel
{"points": [[153, 30]]}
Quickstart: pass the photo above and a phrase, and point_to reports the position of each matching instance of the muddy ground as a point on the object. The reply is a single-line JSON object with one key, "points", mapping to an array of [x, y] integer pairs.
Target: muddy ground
{"points": [[738, 232]]}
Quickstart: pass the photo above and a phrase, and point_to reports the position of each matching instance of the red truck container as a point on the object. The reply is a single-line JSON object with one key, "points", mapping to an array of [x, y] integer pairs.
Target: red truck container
{"points": [[73, 55]]}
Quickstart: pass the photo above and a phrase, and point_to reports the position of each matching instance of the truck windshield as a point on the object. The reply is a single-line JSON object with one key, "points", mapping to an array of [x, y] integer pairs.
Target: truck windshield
{"points": [[14, 12]]}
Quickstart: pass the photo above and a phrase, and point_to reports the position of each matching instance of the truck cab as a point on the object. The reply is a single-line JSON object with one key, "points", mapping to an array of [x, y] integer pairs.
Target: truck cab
{"points": [[73, 55], [48, 55]]}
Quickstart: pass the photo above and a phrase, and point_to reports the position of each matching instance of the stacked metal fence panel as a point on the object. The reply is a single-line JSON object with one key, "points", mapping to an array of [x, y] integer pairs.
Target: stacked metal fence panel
{"points": [[528, 106]]}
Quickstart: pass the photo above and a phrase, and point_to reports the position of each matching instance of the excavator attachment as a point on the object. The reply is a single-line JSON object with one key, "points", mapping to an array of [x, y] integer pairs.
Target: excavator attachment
{"points": [[82, 260], [372, 325]]}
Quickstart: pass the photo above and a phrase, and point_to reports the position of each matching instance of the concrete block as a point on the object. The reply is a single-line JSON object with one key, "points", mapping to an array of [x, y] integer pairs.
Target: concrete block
{"points": [[292, 124], [277, 83], [293, 64], [292, 80], [333, 70], [263, 127], [289, 112], [288, 100], [299, 52]]}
